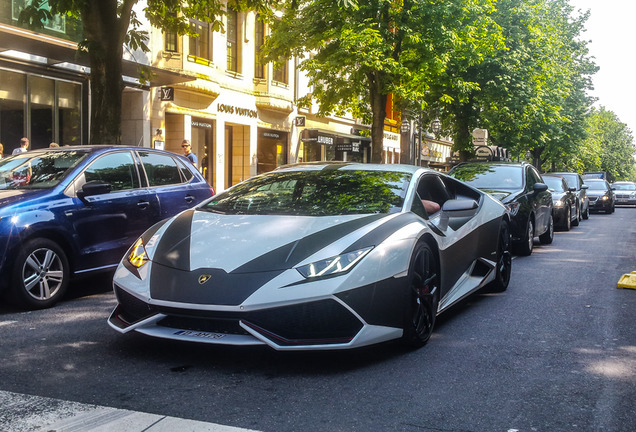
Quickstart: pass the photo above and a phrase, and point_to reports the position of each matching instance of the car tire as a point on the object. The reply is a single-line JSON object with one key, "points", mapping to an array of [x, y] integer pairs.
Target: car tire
{"points": [[525, 246], [567, 225], [422, 296], [40, 275], [548, 235], [504, 260], [577, 219], [586, 213]]}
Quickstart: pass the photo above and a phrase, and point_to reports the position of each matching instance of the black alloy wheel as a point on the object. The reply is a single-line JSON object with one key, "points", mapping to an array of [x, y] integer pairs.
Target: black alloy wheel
{"points": [[504, 260], [423, 296], [567, 225], [525, 246], [40, 275], [548, 235], [577, 219], [586, 213]]}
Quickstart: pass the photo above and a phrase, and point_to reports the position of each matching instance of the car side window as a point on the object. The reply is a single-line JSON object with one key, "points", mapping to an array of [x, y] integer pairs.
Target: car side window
{"points": [[117, 168], [185, 171], [532, 177], [432, 192], [161, 170]]}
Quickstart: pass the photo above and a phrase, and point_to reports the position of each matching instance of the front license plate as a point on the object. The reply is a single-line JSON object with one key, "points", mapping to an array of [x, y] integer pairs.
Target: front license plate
{"points": [[200, 334], [621, 200]]}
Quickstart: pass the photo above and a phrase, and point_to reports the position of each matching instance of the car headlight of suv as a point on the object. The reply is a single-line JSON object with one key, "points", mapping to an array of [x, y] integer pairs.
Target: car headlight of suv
{"points": [[604, 198], [513, 208], [558, 203], [334, 265], [138, 255]]}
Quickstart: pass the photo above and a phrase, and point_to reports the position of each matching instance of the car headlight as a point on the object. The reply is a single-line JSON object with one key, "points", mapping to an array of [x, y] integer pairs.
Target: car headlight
{"points": [[138, 256], [604, 198], [558, 203], [513, 208], [334, 265]]}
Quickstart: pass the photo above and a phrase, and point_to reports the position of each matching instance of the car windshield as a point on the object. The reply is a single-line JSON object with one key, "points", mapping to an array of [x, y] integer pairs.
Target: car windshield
{"points": [[315, 193], [624, 186], [37, 170], [596, 185], [554, 183], [484, 176]]}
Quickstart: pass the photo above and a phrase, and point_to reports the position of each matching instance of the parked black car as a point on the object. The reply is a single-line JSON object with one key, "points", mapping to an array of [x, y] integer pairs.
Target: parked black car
{"points": [[625, 192], [71, 211], [601, 195], [521, 189], [564, 202], [575, 180]]}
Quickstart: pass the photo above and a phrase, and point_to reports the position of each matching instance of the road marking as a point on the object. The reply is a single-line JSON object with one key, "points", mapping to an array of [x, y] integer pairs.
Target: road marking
{"points": [[26, 413]]}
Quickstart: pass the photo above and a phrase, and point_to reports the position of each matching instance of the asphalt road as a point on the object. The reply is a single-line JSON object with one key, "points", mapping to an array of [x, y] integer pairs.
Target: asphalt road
{"points": [[555, 352]]}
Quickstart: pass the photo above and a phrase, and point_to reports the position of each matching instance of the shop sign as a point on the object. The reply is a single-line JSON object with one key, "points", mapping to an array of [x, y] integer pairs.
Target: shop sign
{"points": [[231, 109], [166, 93], [300, 121], [272, 135], [201, 124], [483, 153], [312, 135]]}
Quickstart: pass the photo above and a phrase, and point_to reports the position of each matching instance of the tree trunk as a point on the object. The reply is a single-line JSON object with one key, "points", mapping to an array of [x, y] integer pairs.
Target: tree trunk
{"points": [[378, 106], [105, 32]]}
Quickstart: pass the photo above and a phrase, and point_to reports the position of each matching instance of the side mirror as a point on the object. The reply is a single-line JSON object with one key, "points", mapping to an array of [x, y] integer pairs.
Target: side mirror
{"points": [[585, 186], [457, 208], [94, 187], [540, 187], [572, 189]]}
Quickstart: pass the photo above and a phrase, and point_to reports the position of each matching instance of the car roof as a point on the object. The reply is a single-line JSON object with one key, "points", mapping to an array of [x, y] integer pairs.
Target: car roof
{"points": [[353, 166]]}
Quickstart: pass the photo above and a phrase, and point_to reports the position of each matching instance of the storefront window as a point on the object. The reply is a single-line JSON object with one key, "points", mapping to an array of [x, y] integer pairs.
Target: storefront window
{"points": [[42, 94], [259, 67], [237, 149], [12, 107], [69, 113], [272, 150]]}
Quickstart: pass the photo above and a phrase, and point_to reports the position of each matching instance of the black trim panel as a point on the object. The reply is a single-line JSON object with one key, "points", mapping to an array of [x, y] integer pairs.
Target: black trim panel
{"points": [[173, 249]]}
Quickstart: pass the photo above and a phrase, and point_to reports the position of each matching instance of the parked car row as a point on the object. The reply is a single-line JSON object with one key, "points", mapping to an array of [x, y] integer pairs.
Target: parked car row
{"points": [[328, 255]]}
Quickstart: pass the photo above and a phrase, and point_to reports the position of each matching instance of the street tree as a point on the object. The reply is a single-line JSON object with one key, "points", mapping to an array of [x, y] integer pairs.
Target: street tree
{"points": [[360, 52], [109, 25], [531, 92]]}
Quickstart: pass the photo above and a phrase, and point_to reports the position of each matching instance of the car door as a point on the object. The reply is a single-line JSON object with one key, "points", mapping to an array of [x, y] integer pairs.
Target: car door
{"points": [[541, 202], [107, 223], [168, 179]]}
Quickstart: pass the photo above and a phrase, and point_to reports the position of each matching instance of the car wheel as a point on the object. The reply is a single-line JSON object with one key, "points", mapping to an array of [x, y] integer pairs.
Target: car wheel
{"points": [[586, 213], [504, 260], [423, 296], [567, 225], [548, 235], [525, 246], [577, 219], [40, 274]]}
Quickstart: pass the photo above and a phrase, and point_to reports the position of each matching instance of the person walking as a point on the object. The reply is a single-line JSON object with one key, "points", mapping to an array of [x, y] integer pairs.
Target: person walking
{"points": [[1, 151], [24, 146], [187, 152]]}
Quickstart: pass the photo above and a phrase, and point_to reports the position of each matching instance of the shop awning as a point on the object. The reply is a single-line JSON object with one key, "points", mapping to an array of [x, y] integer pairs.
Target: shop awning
{"points": [[342, 141], [54, 51]]}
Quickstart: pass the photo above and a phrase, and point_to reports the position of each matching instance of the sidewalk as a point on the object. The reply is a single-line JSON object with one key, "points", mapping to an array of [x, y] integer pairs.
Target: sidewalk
{"points": [[25, 413]]}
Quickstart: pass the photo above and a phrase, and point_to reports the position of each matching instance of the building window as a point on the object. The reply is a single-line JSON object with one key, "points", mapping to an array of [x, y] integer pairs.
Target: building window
{"points": [[171, 40], [259, 40], [200, 46], [232, 41], [280, 74]]}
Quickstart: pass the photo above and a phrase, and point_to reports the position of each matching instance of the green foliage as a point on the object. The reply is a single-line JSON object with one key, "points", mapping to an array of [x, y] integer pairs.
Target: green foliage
{"points": [[361, 52]]}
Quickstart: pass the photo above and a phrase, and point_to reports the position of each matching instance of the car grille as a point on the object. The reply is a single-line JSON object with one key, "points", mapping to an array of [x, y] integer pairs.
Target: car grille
{"points": [[131, 309], [320, 322]]}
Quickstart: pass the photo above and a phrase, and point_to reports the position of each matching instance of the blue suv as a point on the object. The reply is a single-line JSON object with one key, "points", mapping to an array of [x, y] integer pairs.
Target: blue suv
{"points": [[71, 211]]}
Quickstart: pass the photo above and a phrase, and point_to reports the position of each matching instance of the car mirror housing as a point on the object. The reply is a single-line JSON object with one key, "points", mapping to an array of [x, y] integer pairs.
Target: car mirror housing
{"points": [[540, 187], [94, 187]]}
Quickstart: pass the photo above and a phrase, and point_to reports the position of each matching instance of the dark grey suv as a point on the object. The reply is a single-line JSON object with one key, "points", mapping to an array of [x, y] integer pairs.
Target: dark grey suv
{"points": [[575, 180]]}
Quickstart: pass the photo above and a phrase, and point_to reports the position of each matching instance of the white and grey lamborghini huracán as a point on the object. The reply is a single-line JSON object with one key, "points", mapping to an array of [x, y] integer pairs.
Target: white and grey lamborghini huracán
{"points": [[315, 256]]}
